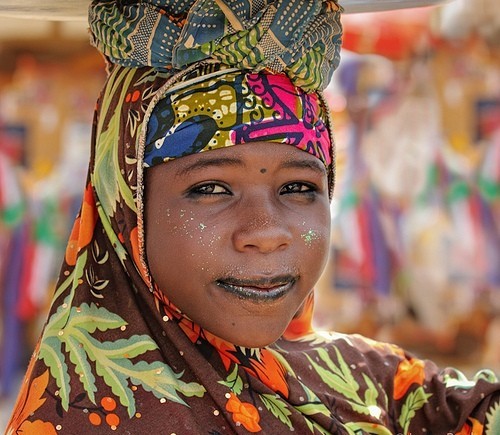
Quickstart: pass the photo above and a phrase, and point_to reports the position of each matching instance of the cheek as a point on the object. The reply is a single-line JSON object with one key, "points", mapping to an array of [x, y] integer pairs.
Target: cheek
{"points": [[182, 239], [314, 230], [314, 240]]}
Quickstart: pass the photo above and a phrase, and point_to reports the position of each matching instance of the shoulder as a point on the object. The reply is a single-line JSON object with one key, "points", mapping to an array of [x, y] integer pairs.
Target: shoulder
{"points": [[356, 352], [354, 345]]}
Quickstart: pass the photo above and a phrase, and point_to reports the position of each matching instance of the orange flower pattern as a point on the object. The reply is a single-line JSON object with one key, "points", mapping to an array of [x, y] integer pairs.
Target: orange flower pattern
{"points": [[244, 413], [270, 371], [409, 372], [83, 228], [471, 427], [30, 399]]}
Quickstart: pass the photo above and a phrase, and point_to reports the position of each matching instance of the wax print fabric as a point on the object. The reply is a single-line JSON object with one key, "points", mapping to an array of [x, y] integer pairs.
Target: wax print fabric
{"points": [[117, 356], [214, 107], [299, 38]]}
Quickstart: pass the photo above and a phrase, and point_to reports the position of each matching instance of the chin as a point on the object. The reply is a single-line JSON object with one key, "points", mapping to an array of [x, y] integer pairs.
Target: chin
{"points": [[253, 340]]}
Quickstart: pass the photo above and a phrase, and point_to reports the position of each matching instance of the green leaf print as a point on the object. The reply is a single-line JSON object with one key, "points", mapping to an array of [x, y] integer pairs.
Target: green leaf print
{"points": [[493, 419], [117, 381], [355, 428], [234, 381], [339, 377], [277, 407], [78, 357], [73, 328], [107, 176], [312, 404], [415, 400], [310, 409], [120, 251], [315, 427], [91, 317], [50, 352], [162, 381]]}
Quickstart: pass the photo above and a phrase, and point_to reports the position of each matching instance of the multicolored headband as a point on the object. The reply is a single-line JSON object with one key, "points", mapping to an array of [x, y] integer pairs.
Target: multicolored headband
{"points": [[225, 107]]}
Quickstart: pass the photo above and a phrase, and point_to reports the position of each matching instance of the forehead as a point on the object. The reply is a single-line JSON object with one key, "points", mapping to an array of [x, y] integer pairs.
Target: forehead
{"points": [[256, 155]]}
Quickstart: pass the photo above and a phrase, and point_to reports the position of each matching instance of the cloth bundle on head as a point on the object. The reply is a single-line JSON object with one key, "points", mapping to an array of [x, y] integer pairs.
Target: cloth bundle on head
{"points": [[299, 38]]}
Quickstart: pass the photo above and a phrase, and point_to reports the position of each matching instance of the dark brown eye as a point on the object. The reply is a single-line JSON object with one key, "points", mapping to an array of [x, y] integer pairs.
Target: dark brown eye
{"points": [[208, 189], [297, 187]]}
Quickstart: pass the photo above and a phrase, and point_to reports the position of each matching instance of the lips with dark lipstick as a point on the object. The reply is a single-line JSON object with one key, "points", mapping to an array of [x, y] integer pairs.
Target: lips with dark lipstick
{"points": [[258, 289]]}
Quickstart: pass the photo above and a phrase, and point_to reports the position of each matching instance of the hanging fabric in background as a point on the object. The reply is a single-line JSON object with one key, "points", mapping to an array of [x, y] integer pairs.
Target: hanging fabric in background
{"points": [[12, 239], [489, 172], [34, 223], [437, 211], [12, 205], [364, 261]]}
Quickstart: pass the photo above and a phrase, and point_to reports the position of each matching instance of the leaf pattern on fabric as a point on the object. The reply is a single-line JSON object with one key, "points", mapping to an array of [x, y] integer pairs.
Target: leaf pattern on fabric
{"points": [[314, 427], [312, 404], [73, 327], [340, 378], [359, 428], [277, 407], [234, 381], [493, 419], [110, 185], [414, 401]]}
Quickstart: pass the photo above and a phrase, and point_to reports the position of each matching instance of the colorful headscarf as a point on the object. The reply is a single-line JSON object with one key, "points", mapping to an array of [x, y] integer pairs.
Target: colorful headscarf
{"points": [[209, 108], [300, 38]]}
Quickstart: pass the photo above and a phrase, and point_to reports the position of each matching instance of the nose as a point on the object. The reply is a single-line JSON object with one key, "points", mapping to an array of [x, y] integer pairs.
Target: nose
{"points": [[261, 227]]}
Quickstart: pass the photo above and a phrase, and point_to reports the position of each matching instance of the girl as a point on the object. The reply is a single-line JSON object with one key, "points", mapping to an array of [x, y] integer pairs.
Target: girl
{"points": [[185, 299]]}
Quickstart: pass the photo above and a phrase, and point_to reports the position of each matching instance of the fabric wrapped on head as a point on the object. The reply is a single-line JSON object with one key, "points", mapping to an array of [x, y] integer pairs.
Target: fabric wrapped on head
{"points": [[225, 107], [299, 38]]}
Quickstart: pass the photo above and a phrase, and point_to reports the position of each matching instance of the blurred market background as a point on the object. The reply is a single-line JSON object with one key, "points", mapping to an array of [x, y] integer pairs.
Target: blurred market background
{"points": [[415, 255]]}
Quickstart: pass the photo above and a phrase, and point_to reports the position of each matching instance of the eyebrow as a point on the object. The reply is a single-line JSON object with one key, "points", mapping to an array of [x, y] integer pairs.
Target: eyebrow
{"points": [[314, 165], [201, 164], [206, 162]]}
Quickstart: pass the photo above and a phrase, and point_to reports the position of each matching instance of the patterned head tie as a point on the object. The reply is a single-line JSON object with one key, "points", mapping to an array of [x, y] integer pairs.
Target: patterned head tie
{"points": [[299, 38], [212, 107]]}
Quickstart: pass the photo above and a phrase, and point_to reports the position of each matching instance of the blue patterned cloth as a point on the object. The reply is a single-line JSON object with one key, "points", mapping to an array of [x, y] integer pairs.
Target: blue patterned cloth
{"points": [[301, 39]]}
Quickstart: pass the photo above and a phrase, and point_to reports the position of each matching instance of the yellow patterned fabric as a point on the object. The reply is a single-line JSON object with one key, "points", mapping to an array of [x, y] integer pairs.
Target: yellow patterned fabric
{"points": [[213, 109]]}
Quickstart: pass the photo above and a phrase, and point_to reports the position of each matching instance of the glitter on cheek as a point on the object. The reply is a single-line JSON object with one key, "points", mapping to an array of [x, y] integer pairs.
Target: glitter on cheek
{"points": [[309, 237]]}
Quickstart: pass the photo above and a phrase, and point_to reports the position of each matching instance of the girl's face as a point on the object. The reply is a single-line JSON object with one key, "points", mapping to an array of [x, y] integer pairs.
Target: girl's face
{"points": [[237, 237]]}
